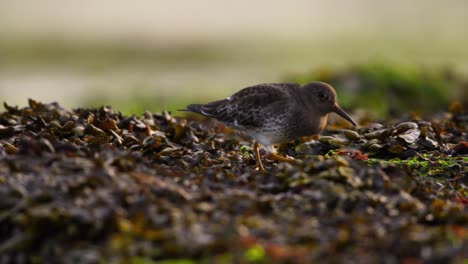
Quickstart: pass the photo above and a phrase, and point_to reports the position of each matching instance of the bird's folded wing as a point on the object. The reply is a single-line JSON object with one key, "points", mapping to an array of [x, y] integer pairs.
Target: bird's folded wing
{"points": [[249, 107]]}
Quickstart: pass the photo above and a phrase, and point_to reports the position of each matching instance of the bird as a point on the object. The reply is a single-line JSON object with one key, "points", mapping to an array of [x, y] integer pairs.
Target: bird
{"points": [[274, 113]]}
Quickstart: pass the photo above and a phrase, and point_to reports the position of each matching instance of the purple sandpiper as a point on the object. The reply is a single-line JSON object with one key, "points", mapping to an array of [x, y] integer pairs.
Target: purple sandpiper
{"points": [[274, 113]]}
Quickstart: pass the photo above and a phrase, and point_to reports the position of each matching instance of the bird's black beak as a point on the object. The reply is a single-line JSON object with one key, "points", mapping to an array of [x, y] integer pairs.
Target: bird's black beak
{"points": [[337, 109]]}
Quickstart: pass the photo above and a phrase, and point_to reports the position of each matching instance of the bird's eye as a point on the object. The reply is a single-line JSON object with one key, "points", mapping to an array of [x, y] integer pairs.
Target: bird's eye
{"points": [[322, 96]]}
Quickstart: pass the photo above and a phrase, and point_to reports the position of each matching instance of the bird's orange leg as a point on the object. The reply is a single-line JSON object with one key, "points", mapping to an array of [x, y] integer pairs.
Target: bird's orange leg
{"points": [[260, 166], [277, 157]]}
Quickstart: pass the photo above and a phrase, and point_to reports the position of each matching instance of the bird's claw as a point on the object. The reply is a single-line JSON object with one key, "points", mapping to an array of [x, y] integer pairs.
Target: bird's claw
{"points": [[260, 168], [277, 157]]}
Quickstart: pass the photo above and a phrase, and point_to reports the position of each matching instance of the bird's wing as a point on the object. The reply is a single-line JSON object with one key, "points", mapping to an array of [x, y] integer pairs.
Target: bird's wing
{"points": [[247, 108]]}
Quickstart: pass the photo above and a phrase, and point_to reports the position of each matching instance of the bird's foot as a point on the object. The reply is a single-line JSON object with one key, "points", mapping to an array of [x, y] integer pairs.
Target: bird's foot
{"points": [[277, 157], [260, 168]]}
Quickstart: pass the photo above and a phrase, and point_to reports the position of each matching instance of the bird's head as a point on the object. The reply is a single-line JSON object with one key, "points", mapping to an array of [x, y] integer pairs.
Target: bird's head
{"points": [[322, 98]]}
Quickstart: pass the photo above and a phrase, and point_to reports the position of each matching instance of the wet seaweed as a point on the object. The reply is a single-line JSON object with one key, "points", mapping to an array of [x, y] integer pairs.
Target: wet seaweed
{"points": [[91, 185]]}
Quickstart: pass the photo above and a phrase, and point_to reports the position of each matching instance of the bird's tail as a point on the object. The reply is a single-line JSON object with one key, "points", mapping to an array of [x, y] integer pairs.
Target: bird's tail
{"points": [[209, 109], [196, 108]]}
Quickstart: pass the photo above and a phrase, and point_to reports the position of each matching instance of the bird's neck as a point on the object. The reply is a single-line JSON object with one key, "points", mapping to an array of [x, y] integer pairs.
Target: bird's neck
{"points": [[323, 123], [315, 127]]}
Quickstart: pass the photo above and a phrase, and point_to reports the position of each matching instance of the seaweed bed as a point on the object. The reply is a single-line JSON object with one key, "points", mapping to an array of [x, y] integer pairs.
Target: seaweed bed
{"points": [[93, 185]]}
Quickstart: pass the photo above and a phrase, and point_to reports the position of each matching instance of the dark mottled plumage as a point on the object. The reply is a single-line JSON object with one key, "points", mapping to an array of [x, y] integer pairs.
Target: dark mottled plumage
{"points": [[276, 112]]}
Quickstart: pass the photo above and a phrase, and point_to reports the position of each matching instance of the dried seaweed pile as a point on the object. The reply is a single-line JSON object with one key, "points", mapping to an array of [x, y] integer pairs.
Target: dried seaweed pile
{"points": [[91, 184]]}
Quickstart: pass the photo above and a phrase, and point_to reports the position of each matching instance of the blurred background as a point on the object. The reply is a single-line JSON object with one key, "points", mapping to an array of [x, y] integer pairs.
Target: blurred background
{"points": [[385, 56]]}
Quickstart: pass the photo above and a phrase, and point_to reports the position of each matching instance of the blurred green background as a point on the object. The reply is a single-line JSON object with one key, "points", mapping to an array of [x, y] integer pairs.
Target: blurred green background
{"points": [[383, 56]]}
